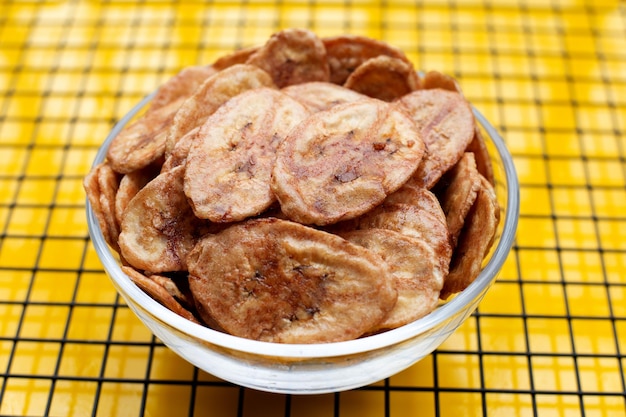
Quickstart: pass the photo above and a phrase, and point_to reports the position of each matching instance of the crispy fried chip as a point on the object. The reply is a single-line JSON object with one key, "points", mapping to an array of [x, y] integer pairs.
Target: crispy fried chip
{"points": [[423, 219], [237, 57], [436, 79], [447, 124], [230, 163], [142, 142], [279, 281], [101, 184], [214, 92], [341, 162], [417, 273], [346, 52], [292, 56], [319, 95], [483, 162], [180, 86], [384, 78], [153, 286], [159, 228], [178, 155], [474, 242], [457, 191], [130, 185]]}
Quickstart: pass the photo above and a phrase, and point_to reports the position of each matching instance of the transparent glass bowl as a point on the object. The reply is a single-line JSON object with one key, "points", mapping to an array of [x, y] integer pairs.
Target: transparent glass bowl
{"points": [[318, 368]]}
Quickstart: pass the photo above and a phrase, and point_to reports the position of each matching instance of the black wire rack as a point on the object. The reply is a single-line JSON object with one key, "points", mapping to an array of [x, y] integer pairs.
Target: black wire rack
{"points": [[548, 340]]}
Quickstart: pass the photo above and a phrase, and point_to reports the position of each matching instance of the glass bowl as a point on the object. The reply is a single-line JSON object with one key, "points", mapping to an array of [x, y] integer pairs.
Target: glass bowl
{"points": [[318, 368]]}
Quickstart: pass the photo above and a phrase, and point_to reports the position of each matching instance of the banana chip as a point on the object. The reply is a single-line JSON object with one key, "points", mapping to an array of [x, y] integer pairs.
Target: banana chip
{"points": [[208, 97], [142, 142], [474, 242], [426, 222], [457, 191], [159, 228], [342, 162], [436, 79], [237, 57], [415, 268], [228, 169], [384, 78], [155, 289], [447, 126], [101, 185], [130, 185], [318, 95], [292, 56], [181, 86], [483, 162], [345, 53], [279, 281]]}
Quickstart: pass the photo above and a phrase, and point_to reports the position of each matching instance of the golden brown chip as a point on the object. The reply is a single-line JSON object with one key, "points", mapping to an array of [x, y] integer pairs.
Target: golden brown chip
{"points": [[180, 86], [237, 57], [474, 242], [319, 95], [457, 191], [346, 52], [142, 142], [483, 162], [292, 56], [436, 79], [214, 92], [417, 273], [384, 78], [446, 122], [178, 155], [229, 165], [159, 228], [423, 219], [101, 185], [158, 292], [341, 162], [130, 185], [279, 281]]}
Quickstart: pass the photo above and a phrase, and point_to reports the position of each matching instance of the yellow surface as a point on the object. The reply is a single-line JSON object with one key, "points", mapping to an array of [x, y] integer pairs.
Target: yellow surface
{"points": [[548, 340]]}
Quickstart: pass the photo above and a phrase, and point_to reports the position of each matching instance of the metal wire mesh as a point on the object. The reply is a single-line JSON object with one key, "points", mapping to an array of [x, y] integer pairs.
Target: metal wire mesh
{"points": [[548, 340]]}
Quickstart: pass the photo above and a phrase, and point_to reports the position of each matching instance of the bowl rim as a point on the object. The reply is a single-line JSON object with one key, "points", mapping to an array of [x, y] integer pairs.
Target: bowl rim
{"points": [[319, 350]]}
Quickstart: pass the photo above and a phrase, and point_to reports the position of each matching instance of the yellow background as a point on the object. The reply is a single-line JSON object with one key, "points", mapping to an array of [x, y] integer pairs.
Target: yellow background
{"points": [[548, 340]]}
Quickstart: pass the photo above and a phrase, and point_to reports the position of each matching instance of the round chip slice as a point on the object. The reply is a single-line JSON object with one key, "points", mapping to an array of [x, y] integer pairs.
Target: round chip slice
{"points": [[158, 292], [423, 218], [415, 268], [457, 191], [159, 228], [142, 142], [341, 162], [483, 161], [101, 185], [474, 242], [130, 185], [319, 95], [279, 281], [447, 124], [239, 56], [292, 56], [214, 92], [346, 52], [229, 165], [384, 78], [181, 86], [436, 79]]}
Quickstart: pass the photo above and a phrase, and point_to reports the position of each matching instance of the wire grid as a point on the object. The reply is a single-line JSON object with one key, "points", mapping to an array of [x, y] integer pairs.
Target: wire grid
{"points": [[548, 340]]}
